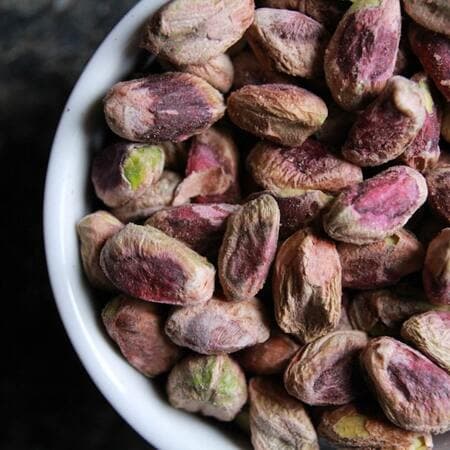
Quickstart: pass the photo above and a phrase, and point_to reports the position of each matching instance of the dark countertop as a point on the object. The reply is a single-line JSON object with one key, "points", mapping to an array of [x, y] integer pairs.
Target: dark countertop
{"points": [[49, 400]]}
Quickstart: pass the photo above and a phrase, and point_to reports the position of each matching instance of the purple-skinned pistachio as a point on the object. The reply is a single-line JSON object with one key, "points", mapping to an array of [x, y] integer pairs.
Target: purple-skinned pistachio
{"points": [[249, 247], [201, 226], [438, 181], [288, 42], [376, 208], [93, 231], [431, 14], [169, 107], [388, 126], [219, 326], [138, 329], [124, 171], [145, 263], [362, 53], [310, 166]]}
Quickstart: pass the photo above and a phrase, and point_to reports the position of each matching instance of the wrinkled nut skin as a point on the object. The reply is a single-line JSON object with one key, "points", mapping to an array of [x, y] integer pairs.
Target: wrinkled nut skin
{"points": [[288, 42], [247, 70], [280, 113], [168, 107], [362, 53], [270, 357], [430, 333], [413, 392], [445, 128], [388, 126], [195, 31], [423, 152], [382, 311], [201, 227], [431, 14], [438, 181], [377, 207], [325, 372], [436, 273], [145, 263], [288, 170], [218, 326], [212, 150], [248, 248], [213, 386], [123, 172], [156, 197], [353, 425], [93, 231], [307, 286], [382, 263], [433, 51], [218, 72], [278, 421], [137, 328]]}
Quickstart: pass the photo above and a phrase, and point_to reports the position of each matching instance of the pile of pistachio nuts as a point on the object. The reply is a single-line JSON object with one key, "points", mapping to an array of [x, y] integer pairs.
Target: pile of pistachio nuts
{"points": [[275, 228]]}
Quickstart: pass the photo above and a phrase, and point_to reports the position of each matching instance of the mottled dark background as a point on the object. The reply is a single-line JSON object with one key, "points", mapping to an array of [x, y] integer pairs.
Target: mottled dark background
{"points": [[47, 398]]}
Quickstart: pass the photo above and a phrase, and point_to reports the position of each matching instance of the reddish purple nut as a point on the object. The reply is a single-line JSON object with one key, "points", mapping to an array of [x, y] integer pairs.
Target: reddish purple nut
{"points": [[436, 273], [145, 263], [138, 329], [377, 207], [169, 107], [288, 170], [413, 392], [201, 227], [388, 126], [362, 53], [438, 181], [382, 263], [433, 51]]}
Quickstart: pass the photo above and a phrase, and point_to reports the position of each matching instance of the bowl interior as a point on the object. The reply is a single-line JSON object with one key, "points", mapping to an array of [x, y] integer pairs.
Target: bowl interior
{"points": [[140, 401]]}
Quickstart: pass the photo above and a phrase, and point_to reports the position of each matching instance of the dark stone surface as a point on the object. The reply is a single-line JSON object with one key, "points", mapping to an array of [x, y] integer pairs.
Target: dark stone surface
{"points": [[47, 398]]}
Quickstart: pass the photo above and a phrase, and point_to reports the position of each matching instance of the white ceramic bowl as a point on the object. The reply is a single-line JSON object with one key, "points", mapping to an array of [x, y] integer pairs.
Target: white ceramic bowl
{"points": [[139, 402]]}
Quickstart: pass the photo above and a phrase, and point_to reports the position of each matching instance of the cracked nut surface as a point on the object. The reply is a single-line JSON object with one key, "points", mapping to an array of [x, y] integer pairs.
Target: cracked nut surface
{"points": [[377, 207], [306, 286], [169, 107], [325, 371], [143, 262], [281, 113], [214, 386]]}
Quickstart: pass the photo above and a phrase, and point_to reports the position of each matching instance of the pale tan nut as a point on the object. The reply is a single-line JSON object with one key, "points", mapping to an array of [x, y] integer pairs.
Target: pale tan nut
{"points": [[431, 14], [438, 181], [281, 113], [364, 427], [325, 372], [168, 107], [219, 326], [292, 170], [137, 327], [248, 248], [288, 42], [93, 231], [413, 392], [382, 263], [436, 273], [377, 207], [218, 72], [195, 31], [278, 421], [247, 70], [362, 53], [388, 126], [270, 357], [430, 333], [213, 386], [306, 286], [445, 128], [156, 197], [143, 262]]}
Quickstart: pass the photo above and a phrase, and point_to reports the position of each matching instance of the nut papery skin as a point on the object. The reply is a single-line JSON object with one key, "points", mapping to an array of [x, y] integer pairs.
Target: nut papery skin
{"points": [[438, 181], [431, 14]]}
